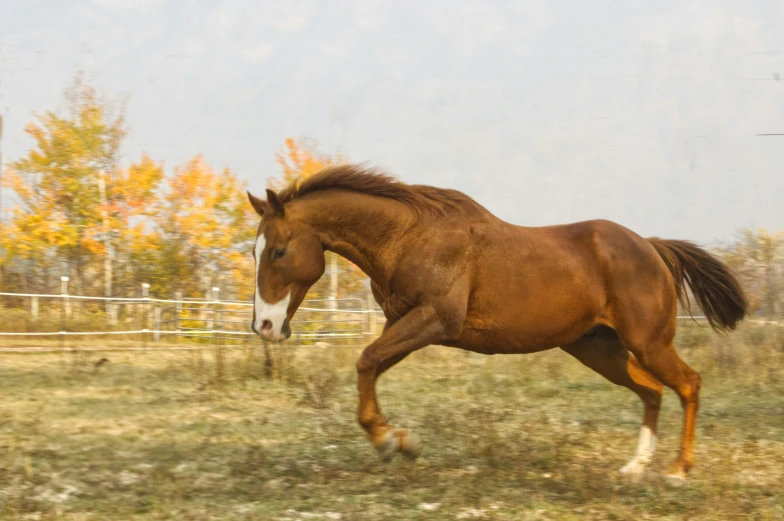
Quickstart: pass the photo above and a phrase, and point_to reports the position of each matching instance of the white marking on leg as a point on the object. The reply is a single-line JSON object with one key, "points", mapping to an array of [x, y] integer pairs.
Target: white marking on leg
{"points": [[276, 313], [646, 446]]}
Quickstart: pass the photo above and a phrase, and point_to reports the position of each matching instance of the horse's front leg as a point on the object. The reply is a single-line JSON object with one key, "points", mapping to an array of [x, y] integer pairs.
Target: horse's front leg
{"points": [[418, 328]]}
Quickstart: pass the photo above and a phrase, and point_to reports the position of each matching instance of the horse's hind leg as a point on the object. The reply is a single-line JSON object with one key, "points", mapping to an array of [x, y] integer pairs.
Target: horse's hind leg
{"points": [[664, 363], [605, 355]]}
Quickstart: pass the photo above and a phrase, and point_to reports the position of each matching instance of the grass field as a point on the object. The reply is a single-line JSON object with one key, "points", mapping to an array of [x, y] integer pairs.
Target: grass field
{"points": [[193, 435]]}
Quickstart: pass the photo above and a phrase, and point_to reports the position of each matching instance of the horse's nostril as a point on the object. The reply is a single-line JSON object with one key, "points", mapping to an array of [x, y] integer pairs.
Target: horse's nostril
{"points": [[266, 325]]}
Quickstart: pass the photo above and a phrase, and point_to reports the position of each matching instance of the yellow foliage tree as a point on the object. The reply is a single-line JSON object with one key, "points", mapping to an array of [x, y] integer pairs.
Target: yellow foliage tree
{"points": [[298, 161], [206, 229], [758, 259], [61, 188]]}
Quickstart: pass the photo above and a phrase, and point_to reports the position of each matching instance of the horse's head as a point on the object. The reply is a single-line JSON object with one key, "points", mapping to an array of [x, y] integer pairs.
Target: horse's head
{"points": [[289, 259]]}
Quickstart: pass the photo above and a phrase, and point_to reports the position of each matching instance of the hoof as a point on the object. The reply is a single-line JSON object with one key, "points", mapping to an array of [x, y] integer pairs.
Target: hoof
{"points": [[676, 478], [410, 445], [399, 440], [675, 474], [632, 472], [388, 446]]}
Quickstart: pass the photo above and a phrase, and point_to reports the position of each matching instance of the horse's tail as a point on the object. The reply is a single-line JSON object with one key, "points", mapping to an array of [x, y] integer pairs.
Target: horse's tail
{"points": [[714, 286]]}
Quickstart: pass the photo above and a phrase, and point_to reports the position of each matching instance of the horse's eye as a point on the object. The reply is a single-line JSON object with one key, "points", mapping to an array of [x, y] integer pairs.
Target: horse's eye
{"points": [[277, 254]]}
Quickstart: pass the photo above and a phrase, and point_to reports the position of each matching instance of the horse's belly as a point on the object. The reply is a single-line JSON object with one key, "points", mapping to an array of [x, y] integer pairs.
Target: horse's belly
{"points": [[526, 327], [520, 340], [497, 342]]}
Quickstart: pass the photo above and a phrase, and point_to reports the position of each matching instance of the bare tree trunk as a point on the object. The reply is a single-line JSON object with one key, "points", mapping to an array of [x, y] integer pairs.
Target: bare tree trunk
{"points": [[333, 289], [107, 258], [770, 290], [333, 276], [78, 281]]}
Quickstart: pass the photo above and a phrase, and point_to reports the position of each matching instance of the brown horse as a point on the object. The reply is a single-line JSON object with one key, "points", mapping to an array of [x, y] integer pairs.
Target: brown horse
{"points": [[446, 271]]}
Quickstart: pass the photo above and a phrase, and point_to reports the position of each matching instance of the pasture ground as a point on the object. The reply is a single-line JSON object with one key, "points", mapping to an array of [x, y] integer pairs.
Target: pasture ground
{"points": [[192, 435]]}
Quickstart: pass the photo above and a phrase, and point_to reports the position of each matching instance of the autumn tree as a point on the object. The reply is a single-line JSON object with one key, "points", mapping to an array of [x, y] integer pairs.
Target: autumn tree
{"points": [[63, 186], [133, 199], [757, 257], [300, 160], [205, 233]]}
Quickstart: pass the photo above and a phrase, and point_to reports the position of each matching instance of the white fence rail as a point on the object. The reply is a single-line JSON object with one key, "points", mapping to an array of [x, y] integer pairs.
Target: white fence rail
{"points": [[212, 318], [215, 319]]}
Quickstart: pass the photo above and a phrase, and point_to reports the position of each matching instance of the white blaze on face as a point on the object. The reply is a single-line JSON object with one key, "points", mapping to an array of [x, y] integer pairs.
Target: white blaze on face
{"points": [[275, 313]]}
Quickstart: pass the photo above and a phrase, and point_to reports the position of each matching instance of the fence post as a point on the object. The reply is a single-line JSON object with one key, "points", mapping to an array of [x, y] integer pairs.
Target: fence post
{"points": [[64, 291], [156, 324], [112, 313], [215, 314], [211, 309], [177, 312], [65, 308], [219, 362], [145, 310], [34, 308], [333, 291], [371, 314], [215, 309]]}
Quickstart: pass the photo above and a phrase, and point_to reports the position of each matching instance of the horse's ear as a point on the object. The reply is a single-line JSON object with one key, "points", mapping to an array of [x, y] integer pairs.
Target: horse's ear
{"points": [[259, 205], [274, 202]]}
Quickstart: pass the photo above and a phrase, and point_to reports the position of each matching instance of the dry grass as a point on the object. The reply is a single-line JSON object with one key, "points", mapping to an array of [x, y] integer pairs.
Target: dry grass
{"points": [[185, 435]]}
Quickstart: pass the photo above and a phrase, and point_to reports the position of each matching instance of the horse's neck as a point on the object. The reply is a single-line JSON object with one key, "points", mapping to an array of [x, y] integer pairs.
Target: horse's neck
{"points": [[361, 228]]}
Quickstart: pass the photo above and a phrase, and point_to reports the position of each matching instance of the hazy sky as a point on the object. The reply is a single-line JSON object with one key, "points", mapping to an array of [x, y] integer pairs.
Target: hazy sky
{"points": [[546, 112]]}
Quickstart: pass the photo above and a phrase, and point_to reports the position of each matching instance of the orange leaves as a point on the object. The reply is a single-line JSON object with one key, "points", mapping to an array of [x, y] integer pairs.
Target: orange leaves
{"points": [[207, 215], [132, 192], [299, 161]]}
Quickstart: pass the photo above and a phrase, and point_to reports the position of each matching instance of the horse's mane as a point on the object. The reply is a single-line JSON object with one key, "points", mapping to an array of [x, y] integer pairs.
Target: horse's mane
{"points": [[356, 178]]}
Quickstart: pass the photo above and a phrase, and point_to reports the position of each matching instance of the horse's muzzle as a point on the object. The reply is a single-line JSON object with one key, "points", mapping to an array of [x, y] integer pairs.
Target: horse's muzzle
{"points": [[268, 335]]}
